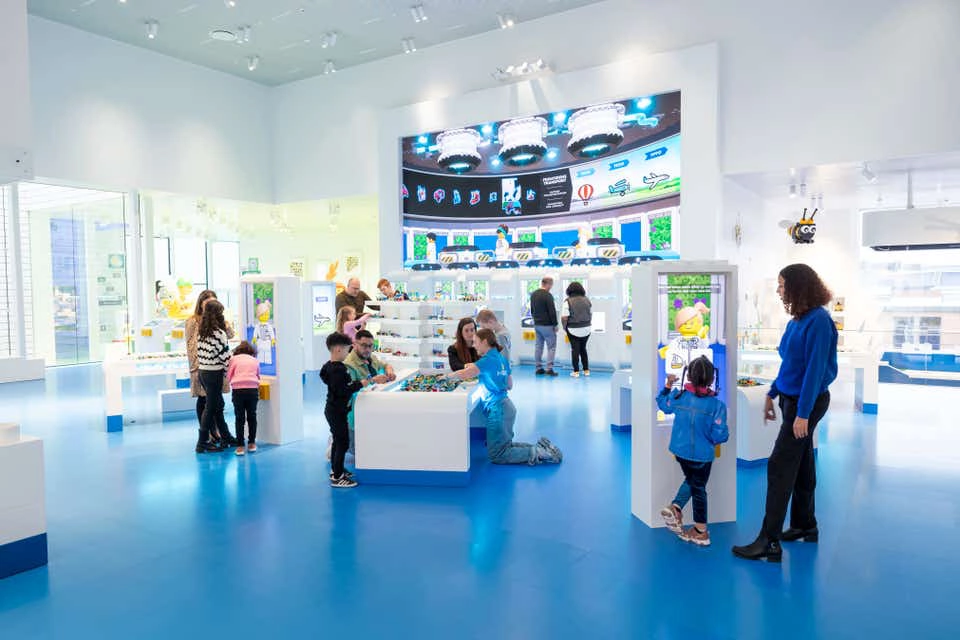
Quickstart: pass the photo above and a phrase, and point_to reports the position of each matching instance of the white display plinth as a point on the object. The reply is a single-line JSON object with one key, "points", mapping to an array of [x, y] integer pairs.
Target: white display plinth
{"points": [[655, 474], [118, 365], [414, 438], [23, 522], [22, 369], [621, 384], [283, 367], [754, 437]]}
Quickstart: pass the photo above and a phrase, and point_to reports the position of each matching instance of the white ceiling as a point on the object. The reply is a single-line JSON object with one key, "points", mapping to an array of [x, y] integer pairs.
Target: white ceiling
{"points": [[287, 35], [936, 182]]}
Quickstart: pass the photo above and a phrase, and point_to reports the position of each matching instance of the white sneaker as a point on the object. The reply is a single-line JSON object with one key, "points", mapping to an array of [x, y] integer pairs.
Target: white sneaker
{"points": [[241, 451], [673, 518], [586, 372], [574, 374]]}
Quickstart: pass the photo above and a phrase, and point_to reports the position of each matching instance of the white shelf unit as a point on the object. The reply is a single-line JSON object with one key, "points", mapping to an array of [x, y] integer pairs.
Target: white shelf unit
{"points": [[423, 331]]}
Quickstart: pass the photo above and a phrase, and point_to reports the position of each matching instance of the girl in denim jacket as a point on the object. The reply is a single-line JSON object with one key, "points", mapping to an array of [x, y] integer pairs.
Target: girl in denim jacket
{"points": [[699, 425]]}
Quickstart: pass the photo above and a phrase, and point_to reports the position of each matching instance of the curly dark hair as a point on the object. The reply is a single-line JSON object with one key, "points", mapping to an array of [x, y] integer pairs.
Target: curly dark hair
{"points": [[212, 319], [245, 348], [575, 289], [803, 289], [205, 295]]}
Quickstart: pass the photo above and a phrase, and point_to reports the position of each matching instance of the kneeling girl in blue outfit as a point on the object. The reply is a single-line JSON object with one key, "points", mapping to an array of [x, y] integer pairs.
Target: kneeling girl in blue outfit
{"points": [[493, 371], [699, 425]]}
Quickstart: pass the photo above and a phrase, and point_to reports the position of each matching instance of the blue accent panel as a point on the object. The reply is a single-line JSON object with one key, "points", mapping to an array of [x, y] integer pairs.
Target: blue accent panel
{"points": [[630, 236], [870, 407], [415, 478], [114, 423], [478, 434], [176, 416], [183, 383], [303, 378], [23, 555], [564, 238], [621, 427], [751, 464], [892, 375], [923, 361]]}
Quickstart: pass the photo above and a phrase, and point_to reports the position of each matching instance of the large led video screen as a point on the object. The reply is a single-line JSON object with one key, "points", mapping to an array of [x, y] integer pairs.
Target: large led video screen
{"points": [[607, 170]]}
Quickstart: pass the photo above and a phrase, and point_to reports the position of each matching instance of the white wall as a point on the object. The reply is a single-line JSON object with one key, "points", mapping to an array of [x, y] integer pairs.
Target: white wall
{"points": [[15, 127], [111, 115], [800, 84]]}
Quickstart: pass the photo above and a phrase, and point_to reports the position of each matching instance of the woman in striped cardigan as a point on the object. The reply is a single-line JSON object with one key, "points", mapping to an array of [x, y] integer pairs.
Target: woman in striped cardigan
{"points": [[213, 355]]}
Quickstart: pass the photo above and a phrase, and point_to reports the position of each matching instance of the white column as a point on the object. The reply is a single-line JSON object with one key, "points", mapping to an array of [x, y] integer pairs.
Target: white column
{"points": [[15, 119], [16, 272], [135, 248]]}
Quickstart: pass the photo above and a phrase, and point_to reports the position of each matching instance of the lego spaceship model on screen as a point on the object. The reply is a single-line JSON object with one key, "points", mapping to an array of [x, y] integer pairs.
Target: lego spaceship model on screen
{"points": [[803, 231]]}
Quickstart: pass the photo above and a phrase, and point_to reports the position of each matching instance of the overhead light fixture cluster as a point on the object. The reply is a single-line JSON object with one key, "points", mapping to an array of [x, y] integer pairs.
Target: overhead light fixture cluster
{"points": [[506, 21], [328, 68], [328, 40], [409, 46], [514, 72], [595, 130], [419, 15], [802, 191], [458, 150]]}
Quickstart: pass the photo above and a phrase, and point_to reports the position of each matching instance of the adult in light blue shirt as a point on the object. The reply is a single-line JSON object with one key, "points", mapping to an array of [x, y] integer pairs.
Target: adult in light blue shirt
{"points": [[494, 374], [808, 353]]}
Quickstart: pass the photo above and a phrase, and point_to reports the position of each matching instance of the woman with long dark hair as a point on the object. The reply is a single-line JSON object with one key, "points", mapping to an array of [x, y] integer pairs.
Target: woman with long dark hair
{"points": [[213, 356], [191, 333], [576, 317], [462, 352], [808, 353]]}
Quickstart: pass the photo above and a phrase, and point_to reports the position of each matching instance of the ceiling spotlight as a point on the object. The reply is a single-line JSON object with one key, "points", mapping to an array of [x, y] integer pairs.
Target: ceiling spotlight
{"points": [[230, 3], [408, 45], [867, 174], [521, 141], [328, 39], [595, 130], [803, 189], [152, 28], [418, 13], [329, 68], [793, 191], [244, 36], [506, 21], [511, 72], [458, 150], [253, 62]]}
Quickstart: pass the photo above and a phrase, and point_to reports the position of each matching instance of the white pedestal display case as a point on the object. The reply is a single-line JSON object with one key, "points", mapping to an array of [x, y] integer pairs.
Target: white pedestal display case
{"points": [[118, 365], [414, 438], [661, 290], [319, 320], [23, 520], [270, 316]]}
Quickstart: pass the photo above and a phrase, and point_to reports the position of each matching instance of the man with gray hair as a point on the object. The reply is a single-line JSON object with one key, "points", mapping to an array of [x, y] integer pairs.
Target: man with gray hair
{"points": [[352, 296]]}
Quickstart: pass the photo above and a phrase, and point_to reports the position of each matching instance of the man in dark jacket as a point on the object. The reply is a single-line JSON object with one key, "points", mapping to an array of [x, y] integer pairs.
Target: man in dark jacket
{"points": [[543, 309], [352, 296]]}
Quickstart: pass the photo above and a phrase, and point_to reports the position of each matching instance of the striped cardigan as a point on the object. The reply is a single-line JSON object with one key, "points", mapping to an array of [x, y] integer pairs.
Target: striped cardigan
{"points": [[213, 353]]}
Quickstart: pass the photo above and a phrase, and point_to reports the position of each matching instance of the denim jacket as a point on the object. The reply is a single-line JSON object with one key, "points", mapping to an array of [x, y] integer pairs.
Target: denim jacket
{"points": [[699, 424]]}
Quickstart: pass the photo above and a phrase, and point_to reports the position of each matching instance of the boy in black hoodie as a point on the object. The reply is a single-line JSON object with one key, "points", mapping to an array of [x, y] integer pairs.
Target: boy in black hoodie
{"points": [[340, 388]]}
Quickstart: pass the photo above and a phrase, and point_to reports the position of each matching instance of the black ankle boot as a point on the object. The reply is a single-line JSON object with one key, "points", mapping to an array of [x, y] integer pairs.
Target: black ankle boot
{"points": [[760, 548], [808, 535]]}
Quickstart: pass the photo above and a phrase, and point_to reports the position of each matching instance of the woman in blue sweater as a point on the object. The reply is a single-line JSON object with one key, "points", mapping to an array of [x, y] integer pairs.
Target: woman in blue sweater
{"points": [[699, 425], [808, 354]]}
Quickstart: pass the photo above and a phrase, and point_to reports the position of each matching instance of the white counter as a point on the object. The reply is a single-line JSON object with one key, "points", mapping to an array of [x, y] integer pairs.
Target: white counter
{"points": [[415, 438], [23, 521]]}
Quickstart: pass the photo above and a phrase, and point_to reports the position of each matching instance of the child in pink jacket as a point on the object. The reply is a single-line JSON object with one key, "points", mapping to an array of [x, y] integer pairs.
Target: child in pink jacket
{"points": [[243, 372]]}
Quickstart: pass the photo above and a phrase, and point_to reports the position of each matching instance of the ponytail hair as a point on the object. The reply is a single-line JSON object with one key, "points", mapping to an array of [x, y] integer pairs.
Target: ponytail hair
{"points": [[488, 336], [701, 373]]}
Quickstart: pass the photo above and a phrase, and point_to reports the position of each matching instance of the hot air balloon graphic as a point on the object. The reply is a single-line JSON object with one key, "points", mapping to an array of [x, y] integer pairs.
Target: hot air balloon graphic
{"points": [[585, 192]]}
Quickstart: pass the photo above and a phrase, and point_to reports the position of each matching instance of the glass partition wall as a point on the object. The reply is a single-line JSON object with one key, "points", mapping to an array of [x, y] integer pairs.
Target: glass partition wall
{"points": [[74, 270]]}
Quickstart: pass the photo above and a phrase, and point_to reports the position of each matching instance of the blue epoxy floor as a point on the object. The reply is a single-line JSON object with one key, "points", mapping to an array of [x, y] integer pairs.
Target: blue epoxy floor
{"points": [[148, 540]]}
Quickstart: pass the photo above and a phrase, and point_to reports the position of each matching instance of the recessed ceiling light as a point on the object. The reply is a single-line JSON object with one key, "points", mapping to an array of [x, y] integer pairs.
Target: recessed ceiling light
{"points": [[253, 62], [230, 3], [419, 15], [152, 29], [409, 46], [372, 20], [506, 21], [222, 35], [366, 51], [328, 67]]}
